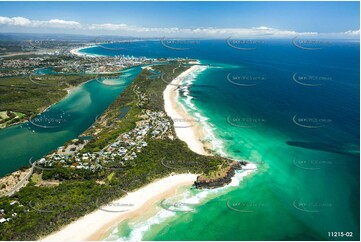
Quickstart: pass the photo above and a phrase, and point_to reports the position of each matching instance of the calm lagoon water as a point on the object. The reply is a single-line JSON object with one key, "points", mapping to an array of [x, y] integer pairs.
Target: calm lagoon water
{"points": [[62, 122]]}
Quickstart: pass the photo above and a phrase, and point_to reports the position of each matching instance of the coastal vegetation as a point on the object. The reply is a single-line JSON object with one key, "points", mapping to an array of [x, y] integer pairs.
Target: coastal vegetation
{"points": [[22, 97], [32, 81], [60, 195]]}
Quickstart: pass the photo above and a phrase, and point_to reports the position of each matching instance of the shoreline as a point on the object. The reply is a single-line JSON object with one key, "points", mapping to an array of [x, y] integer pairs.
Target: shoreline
{"points": [[194, 133], [96, 225], [68, 90], [44, 109], [77, 53], [99, 223], [186, 127]]}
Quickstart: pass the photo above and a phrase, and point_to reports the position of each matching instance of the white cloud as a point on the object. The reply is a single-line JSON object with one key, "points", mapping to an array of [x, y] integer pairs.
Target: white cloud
{"points": [[353, 32], [20, 21], [17, 21], [256, 31], [58, 23], [52, 23], [111, 27], [125, 29], [349, 34]]}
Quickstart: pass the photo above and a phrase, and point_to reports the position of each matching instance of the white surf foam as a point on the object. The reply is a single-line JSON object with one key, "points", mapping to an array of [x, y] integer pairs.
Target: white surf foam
{"points": [[188, 200]]}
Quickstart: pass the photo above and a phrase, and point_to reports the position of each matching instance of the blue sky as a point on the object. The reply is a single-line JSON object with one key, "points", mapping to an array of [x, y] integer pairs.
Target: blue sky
{"points": [[147, 19]]}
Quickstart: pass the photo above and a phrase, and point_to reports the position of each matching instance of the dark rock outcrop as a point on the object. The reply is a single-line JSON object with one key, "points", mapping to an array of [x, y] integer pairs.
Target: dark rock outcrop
{"points": [[209, 183]]}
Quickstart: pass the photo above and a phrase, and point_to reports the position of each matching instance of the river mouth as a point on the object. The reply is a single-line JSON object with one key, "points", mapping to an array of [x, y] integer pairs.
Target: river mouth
{"points": [[63, 121]]}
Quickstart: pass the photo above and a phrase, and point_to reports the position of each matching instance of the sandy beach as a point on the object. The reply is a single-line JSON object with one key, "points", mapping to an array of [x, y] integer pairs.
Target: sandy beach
{"points": [[95, 225], [77, 53], [186, 127]]}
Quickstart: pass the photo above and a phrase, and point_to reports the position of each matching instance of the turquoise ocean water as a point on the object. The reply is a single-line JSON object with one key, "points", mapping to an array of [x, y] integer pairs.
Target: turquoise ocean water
{"points": [[291, 111]]}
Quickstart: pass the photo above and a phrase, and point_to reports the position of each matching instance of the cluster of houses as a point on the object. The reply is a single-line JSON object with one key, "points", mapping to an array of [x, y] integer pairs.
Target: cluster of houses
{"points": [[126, 146], [51, 160], [78, 160], [106, 64], [86, 161], [18, 67], [3, 217], [142, 98], [154, 124], [76, 64], [124, 149]]}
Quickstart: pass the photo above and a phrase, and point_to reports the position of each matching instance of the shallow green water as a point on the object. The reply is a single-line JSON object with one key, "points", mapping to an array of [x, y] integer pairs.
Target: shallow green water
{"points": [[62, 122], [296, 193], [307, 182]]}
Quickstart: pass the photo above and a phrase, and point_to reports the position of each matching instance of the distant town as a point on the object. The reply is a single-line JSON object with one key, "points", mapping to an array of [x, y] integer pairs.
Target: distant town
{"points": [[67, 63]]}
